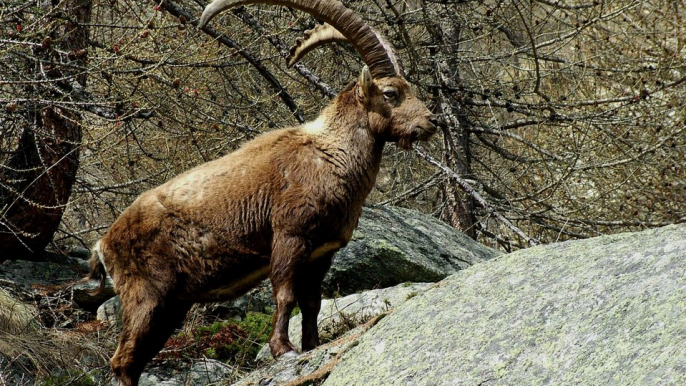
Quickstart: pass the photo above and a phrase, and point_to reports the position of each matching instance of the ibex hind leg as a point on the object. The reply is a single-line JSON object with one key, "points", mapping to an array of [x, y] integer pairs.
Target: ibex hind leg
{"points": [[147, 324]]}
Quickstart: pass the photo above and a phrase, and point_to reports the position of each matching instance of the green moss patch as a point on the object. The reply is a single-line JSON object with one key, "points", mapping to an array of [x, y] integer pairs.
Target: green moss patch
{"points": [[234, 342]]}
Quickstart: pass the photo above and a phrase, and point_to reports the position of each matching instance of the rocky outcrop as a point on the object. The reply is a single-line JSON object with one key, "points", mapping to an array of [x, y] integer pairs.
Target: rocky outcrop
{"points": [[394, 245], [309, 368], [608, 310], [199, 373], [603, 311], [337, 316]]}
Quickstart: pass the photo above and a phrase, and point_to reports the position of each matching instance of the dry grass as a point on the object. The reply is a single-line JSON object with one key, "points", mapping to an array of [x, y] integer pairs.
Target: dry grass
{"points": [[31, 351]]}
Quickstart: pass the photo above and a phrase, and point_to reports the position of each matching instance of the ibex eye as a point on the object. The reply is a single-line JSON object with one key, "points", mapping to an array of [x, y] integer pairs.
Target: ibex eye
{"points": [[390, 94]]}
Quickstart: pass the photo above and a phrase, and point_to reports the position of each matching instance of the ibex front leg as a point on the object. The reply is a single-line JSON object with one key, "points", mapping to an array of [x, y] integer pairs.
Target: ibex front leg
{"points": [[288, 252], [309, 294]]}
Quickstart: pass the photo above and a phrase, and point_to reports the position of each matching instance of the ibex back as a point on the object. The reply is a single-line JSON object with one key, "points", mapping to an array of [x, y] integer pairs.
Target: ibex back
{"points": [[278, 207]]}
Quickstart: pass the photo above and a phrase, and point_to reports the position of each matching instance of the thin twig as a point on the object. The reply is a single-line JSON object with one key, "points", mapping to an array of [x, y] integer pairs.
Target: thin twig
{"points": [[474, 194], [221, 38]]}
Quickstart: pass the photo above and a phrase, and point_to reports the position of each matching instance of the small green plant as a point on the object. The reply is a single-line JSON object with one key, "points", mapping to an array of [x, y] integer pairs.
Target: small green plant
{"points": [[212, 329], [259, 327], [411, 295], [237, 342]]}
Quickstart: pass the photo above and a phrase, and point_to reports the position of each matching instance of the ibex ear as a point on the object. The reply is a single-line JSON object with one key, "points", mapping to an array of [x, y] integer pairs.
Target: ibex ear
{"points": [[366, 84]]}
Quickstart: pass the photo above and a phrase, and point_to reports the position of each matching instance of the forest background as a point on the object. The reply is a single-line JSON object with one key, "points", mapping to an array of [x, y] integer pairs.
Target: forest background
{"points": [[561, 119]]}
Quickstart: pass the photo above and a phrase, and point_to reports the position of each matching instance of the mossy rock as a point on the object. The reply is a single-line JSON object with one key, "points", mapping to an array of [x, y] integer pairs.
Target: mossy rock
{"points": [[604, 311], [394, 245]]}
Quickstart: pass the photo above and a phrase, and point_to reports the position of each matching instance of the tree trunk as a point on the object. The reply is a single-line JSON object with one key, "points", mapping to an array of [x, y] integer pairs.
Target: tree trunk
{"points": [[458, 207], [458, 210], [36, 182]]}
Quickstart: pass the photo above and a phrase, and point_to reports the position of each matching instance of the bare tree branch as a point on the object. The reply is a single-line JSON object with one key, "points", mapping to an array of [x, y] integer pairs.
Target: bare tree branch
{"points": [[261, 69], [474, 194]]}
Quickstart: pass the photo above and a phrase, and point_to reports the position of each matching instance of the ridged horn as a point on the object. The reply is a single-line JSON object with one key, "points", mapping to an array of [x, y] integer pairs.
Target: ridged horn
{"points": [[375, 52], [313, 38]]}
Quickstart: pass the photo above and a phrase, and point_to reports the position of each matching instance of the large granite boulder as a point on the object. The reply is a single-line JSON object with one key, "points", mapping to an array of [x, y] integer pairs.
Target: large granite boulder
{"points": [[604, 311], [395, 245]]}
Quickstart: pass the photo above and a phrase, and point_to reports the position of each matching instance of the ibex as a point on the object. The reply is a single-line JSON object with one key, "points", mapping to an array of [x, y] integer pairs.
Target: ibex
{"points": [[279, 206]]}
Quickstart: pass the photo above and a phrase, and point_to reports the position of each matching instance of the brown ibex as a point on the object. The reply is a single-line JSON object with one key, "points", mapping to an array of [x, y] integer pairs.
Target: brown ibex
{"points": [[280, 206]]}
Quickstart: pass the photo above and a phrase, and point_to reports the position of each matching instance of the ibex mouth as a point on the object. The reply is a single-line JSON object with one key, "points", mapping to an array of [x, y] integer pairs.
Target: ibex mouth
{"points": [[429, 131], [423, 133], [420, 133]]}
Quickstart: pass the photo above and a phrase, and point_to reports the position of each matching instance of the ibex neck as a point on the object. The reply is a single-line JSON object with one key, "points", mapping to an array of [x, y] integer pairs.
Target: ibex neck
{"points": [[317, 127], [344, 136], [348, 129]]}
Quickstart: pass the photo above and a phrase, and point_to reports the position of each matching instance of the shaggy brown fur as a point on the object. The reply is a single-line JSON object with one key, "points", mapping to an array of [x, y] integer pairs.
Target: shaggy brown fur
{"points": [[280, 206]]}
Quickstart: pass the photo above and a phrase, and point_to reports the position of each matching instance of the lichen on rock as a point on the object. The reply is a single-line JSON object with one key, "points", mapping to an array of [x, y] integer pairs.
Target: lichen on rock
{"points": [[609, 310]]}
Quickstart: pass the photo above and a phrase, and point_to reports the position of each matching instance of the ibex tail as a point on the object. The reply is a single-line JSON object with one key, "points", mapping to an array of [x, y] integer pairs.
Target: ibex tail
{"points": [[97, 268]]}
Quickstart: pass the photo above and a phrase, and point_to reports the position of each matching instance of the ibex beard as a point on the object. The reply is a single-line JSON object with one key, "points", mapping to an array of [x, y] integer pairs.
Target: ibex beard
{"points": [[278, 207]]}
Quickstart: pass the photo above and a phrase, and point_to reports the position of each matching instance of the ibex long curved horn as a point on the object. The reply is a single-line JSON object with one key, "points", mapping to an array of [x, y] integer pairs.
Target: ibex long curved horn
{"points": [[313, 38], [374, 51]]}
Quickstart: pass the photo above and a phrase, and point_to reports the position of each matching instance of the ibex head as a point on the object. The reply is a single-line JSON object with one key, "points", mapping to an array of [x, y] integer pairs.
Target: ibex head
{"points": [[395, 113]]}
